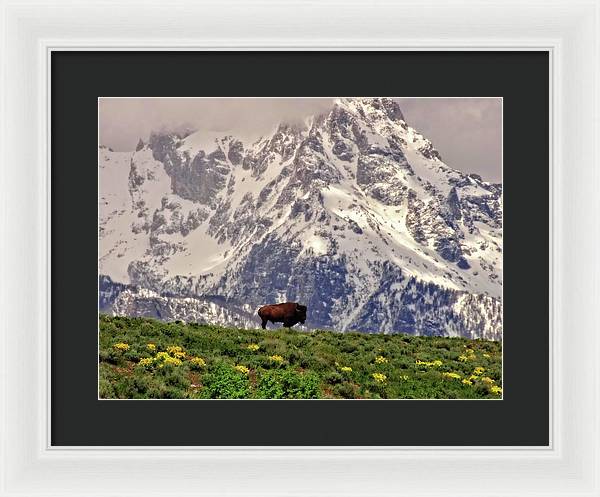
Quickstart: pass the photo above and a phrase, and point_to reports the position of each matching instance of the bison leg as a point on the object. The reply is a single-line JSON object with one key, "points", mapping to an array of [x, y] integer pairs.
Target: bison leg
{"points": [[288, 323], [264, 323]]}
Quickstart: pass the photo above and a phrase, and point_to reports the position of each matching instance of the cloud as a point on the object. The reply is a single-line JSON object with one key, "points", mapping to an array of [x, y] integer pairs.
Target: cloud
{"points": [[467, 132], [124, 120]]}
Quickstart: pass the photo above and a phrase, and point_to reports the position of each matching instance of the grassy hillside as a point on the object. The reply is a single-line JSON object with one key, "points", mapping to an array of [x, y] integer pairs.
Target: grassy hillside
{"points": [[144, 358]]}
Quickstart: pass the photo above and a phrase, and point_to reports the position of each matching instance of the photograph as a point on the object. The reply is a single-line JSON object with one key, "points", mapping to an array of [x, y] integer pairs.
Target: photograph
{"points": [[300, 248]]}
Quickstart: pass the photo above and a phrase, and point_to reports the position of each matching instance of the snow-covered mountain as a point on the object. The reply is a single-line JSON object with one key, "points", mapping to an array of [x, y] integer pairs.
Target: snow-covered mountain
{"points": [[352, 213]]}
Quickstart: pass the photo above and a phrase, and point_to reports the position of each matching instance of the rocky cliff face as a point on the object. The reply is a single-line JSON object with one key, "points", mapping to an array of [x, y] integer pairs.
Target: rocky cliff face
{"points": [[354, 214], [129, 300]]}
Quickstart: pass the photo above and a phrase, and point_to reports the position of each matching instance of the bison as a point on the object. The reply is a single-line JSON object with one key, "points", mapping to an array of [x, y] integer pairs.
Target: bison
{"points": [[289, 314]]}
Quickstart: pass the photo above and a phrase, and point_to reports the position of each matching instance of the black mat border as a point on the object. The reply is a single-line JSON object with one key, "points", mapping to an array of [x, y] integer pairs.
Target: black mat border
{"points": [[79, 78]]}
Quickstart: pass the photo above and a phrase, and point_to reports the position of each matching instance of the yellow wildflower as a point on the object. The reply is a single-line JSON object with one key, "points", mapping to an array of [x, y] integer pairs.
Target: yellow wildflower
{"points": [[276, 358], [146, 362], [121, 346], [198, 362], [465, 381], [404, 377], [166, 359], [473, 377], [496, 389], [241, 369], [463, 358], [436, 363], [455, 376], [379, 377], [487, 356], [176, 351], [151, 346], [487, 380], [478, 370], [253, 346], [171, 361], [380, 360], [346, 369]]}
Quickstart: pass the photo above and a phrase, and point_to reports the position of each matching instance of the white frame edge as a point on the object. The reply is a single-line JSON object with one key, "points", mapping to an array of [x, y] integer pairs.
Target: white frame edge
{"points": [[570, 31]]}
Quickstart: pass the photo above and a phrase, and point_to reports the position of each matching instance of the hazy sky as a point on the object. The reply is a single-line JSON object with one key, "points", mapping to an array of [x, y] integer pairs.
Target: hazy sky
{"points": [[466, 131]]}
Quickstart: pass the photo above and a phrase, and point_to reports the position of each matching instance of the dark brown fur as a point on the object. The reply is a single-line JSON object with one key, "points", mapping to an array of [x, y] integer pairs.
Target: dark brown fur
{"points": [[289, 314]]}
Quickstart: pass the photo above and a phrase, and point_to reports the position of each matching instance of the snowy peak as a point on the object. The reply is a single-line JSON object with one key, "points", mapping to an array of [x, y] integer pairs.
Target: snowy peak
{"points": [[377, 108]]}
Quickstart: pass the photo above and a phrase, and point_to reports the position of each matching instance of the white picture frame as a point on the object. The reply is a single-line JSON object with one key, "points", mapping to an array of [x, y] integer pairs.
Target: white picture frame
{"points": [[569, 30]]}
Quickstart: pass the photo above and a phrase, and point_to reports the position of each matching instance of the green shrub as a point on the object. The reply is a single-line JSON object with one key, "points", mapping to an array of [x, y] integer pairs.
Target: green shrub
{"points": [[345, 390], [224, 382], [333, 378], [287, 383]]}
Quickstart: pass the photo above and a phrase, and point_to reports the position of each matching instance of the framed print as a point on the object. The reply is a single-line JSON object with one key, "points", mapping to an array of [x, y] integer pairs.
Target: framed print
{"points": [[359, 252], [388, 235]]}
